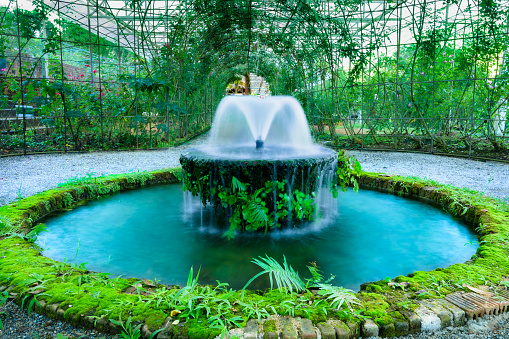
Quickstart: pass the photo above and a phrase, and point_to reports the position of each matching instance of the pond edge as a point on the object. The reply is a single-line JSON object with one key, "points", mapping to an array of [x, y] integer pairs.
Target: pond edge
{"points": [[383, 301]]}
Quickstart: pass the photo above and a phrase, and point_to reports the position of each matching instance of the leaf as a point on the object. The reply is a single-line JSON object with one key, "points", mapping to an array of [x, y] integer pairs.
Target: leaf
{"points": [[256, 214], [237, 185], [338, 296], [74, 113], [284, 275]]}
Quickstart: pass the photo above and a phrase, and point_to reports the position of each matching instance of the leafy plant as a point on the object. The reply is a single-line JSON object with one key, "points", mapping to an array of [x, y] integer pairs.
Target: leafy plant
{"points": [[348, 170], [222, 322], [316, 276], [34, 233], [337, 296], [254, 309], [284, 276], [32, 302], [19, 193], [7, 228], [3, 302], [254, 210], [128, 332]]}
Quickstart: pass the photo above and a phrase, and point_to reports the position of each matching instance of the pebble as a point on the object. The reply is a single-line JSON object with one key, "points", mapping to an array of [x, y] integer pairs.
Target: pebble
{"points": [[18, 324], [489, 177]]}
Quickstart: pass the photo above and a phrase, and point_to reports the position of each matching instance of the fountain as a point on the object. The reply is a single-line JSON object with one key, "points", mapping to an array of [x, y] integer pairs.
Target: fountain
{"points": [[260, 166], [259, 172]]}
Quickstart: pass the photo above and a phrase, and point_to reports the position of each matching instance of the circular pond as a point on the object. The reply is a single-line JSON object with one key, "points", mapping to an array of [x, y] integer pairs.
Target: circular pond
{"points": [[150, 233]]}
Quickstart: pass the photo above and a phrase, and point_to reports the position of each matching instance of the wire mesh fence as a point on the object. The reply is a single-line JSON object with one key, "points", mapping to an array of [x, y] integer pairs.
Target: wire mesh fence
{"points": [[415, 75]]}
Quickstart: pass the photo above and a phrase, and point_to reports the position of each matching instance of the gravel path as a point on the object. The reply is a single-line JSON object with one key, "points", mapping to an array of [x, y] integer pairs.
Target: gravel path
{"points": [[19, 325], [31, 174], [27, 175], [490, 177]]}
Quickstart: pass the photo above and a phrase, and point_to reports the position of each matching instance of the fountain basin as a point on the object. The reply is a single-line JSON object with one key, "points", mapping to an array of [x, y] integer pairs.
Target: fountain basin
{"points": [[147, 233], [267, 154], [483, 209]]}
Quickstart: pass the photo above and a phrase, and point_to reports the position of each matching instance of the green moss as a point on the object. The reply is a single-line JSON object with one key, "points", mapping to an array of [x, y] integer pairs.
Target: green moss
{"points": [[376, 308], [374, 288], [387, 331], [154, 320], [269, 326], [198, 329], [79, 306], [397, 315], [181, 330], [344, 316]]}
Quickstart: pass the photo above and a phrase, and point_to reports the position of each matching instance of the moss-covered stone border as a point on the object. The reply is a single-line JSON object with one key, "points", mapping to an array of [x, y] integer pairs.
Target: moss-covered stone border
{"points": [[489, 217], [387, 307]]}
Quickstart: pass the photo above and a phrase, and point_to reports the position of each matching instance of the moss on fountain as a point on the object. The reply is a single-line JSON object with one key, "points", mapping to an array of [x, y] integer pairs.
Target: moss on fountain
{"points": [[266, 180]]}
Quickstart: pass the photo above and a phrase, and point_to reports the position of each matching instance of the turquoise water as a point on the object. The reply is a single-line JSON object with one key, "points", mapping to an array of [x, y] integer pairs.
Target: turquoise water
{"points": [[147, 233]]}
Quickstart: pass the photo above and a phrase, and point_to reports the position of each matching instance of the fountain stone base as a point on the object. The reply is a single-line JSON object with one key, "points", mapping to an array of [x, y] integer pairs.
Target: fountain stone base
{"points": [[278, 181]]}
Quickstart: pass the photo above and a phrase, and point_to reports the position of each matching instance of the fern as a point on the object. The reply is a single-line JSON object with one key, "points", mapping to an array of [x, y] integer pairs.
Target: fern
{"points": [[258, 212], [34, 233], [238, 185], [338, 296], [284, 275], [7, 227], [256, 216]]}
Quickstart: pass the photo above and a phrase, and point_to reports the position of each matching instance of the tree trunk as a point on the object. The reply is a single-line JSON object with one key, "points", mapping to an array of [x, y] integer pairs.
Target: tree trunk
{"points": [[247, 90]]}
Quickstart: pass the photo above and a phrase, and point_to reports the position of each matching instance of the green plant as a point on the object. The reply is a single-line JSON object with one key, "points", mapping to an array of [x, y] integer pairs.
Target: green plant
{"points": [[505, 284], [128, 332], [288, 307], [284, 275], [254, 309], [31, 304], [220, 321], [19, 193], [316, 276], [7, 227], [349, 169], [34, 233], [77, 179], [3, 302], [254, 210], [337, 296], [404, 304]]}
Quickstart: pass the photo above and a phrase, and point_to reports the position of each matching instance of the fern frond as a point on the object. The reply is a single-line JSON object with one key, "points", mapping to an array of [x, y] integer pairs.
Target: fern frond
{"points": [[238, 185], [337, 296], [284, 276], [258, 213], [7, 227]]}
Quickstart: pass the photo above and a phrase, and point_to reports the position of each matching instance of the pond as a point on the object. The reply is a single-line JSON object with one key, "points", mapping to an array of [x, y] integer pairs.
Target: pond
{"points": [[151, 233]]}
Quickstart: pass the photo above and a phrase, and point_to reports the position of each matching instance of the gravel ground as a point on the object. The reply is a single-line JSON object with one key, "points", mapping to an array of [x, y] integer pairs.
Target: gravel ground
{"points": [[19, 325], [490, 177], [495, 327], [27, 175]]}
